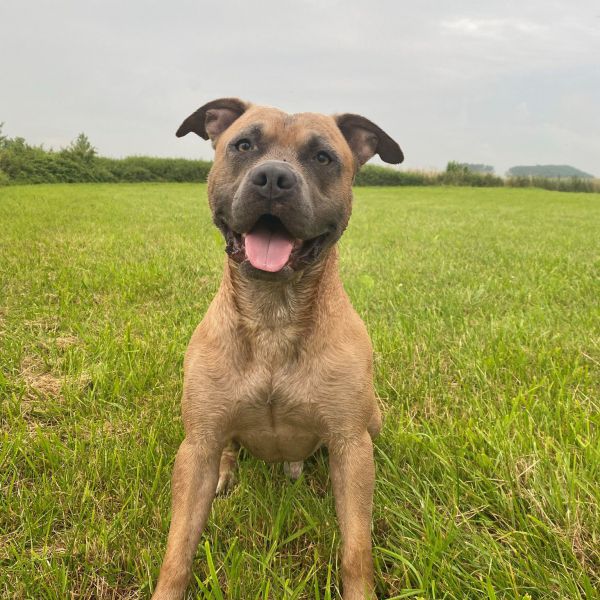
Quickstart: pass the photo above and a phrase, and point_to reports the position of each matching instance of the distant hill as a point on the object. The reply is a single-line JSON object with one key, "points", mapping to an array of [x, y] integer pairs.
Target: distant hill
{"points": [[478, 168], [547, 171]]}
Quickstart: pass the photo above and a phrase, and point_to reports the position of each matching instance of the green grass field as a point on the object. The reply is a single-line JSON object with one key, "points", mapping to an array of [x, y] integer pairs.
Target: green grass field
{"points": [[484, 310]]}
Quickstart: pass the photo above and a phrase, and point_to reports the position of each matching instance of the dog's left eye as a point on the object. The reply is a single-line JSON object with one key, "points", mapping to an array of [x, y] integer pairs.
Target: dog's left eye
{"points": [[243, 145], [323, 158]]}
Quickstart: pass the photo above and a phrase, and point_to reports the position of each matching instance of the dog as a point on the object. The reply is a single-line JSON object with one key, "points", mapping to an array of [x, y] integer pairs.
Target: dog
{"points": [[281, 364]]}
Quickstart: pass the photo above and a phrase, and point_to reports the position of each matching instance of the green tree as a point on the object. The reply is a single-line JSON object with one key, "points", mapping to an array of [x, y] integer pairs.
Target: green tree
{"points": [[3, 138], [457, 168], [81, 149]]}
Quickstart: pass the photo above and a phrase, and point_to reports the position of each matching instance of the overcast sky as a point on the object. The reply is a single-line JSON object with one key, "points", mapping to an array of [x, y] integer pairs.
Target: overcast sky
{"points": [[499, 82]]}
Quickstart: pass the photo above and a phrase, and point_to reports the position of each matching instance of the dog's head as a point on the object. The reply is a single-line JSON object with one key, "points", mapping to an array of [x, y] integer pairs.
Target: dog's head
{"points": [[280, 188]]}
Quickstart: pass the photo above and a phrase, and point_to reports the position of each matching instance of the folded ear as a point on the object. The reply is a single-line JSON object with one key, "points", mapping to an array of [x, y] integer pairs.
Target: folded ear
{"points": [[212, 119], [366, 139]]}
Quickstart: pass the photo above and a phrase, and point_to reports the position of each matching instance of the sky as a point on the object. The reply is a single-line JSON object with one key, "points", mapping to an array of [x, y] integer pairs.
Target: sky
{"points": [[497, 82]]}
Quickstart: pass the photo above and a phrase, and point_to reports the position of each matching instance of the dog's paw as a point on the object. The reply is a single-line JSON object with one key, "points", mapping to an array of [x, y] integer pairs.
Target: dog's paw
{"points": [[226, 483], [293, 469]]}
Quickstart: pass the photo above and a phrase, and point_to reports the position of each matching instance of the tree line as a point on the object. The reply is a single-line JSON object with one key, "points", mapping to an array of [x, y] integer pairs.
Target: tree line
{"points": [[79, 162]]}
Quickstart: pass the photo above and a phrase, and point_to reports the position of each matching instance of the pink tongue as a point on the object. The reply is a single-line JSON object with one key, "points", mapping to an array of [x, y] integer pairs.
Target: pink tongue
{"points": [[268, 250]]}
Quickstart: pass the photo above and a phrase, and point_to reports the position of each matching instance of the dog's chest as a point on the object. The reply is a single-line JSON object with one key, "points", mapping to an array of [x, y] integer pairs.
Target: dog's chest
{"points": [[276, 390], [274, 414]]}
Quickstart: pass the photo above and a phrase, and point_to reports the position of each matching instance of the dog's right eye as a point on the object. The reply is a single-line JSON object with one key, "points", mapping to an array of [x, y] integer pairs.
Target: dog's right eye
{"points": [[323, 158], [243, 145]]}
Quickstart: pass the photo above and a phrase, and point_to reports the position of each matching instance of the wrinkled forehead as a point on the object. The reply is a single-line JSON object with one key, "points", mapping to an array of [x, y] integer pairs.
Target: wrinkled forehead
{"points": [[294, 131]]}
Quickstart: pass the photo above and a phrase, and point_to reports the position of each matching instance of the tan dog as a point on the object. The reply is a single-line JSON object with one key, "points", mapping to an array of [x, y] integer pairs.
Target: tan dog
{"points": [[281, 363]]}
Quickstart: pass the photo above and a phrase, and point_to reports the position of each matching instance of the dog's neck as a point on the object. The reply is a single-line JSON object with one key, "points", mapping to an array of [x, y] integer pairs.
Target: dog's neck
{"points": [[266, 305]]}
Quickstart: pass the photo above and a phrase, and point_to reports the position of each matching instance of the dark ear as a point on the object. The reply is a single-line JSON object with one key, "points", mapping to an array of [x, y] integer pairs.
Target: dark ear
{"points": [[366, 139], [212, 119]]}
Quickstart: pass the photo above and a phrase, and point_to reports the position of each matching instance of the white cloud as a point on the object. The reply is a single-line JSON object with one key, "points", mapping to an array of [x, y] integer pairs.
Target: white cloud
{"points": [[495, 29]]}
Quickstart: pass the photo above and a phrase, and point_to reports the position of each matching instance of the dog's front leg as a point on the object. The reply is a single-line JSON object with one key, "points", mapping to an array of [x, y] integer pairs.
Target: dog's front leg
{"points": [[195, 477], [353, 479]]}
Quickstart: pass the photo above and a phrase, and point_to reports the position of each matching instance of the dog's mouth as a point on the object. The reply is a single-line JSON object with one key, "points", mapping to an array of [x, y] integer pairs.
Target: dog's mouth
{"points": [[270, 247]]}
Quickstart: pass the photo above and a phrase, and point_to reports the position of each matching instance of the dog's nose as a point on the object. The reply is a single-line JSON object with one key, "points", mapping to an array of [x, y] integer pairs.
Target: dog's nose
{"points": [[273, 179]]}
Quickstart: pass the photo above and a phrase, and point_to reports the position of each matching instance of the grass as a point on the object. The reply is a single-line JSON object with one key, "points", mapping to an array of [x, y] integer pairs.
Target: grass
{"points": [[483, 306]]}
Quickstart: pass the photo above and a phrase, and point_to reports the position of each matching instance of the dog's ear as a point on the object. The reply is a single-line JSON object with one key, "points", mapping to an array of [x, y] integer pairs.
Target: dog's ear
{"points": [[366, 139], [212, 119]]}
